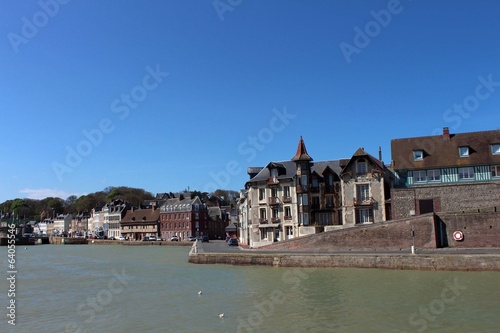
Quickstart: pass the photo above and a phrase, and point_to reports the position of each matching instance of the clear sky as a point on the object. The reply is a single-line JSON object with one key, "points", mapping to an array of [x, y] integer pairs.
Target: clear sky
{"points": [[166, 95]]}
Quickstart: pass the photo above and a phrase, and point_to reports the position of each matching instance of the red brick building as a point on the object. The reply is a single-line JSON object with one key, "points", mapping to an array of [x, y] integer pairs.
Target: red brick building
{"points": [[183, 217]]}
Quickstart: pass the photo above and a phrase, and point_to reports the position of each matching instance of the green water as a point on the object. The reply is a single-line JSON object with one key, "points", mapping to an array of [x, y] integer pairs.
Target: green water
{"points": [[117, 288]]}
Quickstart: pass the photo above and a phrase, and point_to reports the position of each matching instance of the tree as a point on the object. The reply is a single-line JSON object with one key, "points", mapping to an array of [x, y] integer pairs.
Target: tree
{"points": [[69, 204]]}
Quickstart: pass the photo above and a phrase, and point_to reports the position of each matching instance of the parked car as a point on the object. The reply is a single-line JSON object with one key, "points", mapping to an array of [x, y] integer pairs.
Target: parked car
{"points": [[192, 238], [232, 242], [121, 238], [146, 238], [205, 239], [174, 239], [152, 238]]}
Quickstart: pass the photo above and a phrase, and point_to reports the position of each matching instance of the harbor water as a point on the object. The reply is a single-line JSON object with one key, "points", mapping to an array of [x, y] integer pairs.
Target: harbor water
{"points": [[115, 288]]}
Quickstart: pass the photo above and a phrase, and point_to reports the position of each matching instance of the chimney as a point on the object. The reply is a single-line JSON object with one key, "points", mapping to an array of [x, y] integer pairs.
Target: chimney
{"points": [[446, 133], [380, 154]]}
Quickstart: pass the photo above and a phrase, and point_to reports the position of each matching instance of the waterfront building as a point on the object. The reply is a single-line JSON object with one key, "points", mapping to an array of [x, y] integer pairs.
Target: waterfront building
{"points": [[113, 214], [79, 225], [140, 223], [244, 224], [218, 220], [96, 222], [366, 183], [289, 199], [62, 223], [445, 173], [183, 217]]}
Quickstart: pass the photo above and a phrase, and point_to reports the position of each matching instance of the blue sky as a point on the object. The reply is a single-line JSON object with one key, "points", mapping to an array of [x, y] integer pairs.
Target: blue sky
{"points": [[166, 95]]}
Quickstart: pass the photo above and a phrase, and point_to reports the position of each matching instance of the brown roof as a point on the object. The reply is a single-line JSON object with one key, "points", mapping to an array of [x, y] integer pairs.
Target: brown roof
{"points": [[301, 154], [142, 215], [442, 150], [362, 153]]}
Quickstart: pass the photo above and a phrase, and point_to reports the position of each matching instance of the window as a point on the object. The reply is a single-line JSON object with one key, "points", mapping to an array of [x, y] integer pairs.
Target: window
{"points": [[330, 180], [466, 173], [463, 151], [304, 200], [315, 183], [288, 212], [304, 180], [306, 219], [363, 192], [274, 172], [262, 213], [286, 191], [361, 167], [262, 193], [419, 176], [329, 200], [495, 149], [364, 216], [275, 213], [263, 233], [495, 171], [433, 175], [274, 192], [324, 218], [418, 155]]}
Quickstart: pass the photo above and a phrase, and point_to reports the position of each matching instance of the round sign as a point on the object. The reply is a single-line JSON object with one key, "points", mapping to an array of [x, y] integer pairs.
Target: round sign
{"points": [[458, 236]]}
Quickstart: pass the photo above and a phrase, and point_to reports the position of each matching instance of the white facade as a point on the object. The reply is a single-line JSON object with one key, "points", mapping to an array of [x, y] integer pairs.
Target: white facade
{"points": [[62, 223]]}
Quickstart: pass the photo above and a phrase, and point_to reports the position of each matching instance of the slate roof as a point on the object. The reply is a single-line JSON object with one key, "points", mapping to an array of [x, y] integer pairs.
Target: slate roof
{"points": [[182, 204], [442, 150], [289, 169]]}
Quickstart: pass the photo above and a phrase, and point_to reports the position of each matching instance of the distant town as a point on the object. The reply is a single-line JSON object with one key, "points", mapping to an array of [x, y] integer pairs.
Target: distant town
{"points": [[293, 198]]}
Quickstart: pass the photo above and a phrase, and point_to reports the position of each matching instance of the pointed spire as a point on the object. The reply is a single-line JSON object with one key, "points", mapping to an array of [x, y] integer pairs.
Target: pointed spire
{"points": [[301, 154]]}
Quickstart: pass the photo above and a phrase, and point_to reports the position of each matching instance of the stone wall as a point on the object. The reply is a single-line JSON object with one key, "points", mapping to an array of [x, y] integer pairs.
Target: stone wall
{"points": [[391, 235], [479, 229], [450, 198], [431, 231], [451, 262]]}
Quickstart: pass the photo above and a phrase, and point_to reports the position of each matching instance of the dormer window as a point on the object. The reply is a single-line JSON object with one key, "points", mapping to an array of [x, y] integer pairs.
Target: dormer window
{"points": [[495, 149], [361, 167], [274, 173], [418, 155], [463, 151]]}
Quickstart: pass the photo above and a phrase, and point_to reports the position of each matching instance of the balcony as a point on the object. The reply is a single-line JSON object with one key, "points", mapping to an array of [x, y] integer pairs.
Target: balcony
{"points": [[288, 218], [301, 189], [275, 220], [314, 189], [263, 220], [272, 181], [363, 201], [286, 199], [274, 201], [329, 189]]}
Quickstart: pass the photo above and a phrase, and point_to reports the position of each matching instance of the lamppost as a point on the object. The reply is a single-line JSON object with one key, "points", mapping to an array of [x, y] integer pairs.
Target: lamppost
{"points": [[413, 240]]}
